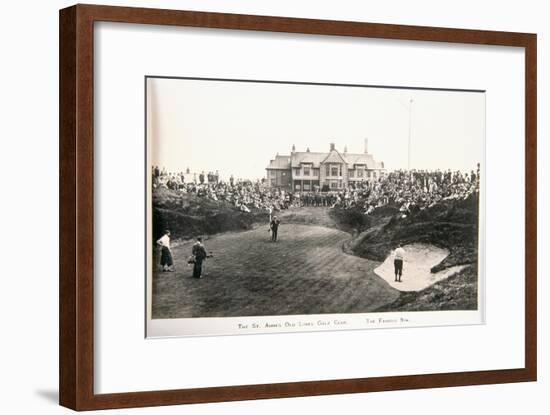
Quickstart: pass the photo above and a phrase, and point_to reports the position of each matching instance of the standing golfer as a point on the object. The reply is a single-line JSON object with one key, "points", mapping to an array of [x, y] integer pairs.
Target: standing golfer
{"points": [[166, 260], [398, 262], [199, 255], [274, 226]]}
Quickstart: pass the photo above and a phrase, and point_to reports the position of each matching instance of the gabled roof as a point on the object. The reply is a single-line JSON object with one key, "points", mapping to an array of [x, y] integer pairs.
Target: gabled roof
{"points": [[307, 157], [280, 163], [283, 162], [334, 157], [365, 159]]}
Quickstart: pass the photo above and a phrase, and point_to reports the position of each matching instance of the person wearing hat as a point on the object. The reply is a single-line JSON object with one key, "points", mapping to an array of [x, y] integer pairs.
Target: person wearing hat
{"points": [[274, 226], [166, 260], [199, 254]]}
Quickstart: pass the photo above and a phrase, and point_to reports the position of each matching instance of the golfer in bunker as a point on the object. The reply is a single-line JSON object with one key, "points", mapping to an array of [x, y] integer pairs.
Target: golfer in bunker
{"points": [[398, 257]]}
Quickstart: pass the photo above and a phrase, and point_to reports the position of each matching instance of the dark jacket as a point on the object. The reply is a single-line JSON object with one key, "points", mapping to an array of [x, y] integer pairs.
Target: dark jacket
{"points": [[275, 224], [199, 252]]}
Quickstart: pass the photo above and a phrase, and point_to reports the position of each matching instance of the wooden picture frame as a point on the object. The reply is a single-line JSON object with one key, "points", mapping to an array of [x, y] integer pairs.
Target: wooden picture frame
{"points": [[76, 232]]}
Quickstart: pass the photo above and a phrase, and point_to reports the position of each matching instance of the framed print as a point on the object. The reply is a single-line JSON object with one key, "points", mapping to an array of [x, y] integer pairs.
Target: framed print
{"points": [[308, 201], [256, 207]]}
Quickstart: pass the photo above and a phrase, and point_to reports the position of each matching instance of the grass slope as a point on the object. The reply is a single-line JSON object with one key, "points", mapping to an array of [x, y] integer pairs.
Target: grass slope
{"points": [[451, 224], [187, 216]]}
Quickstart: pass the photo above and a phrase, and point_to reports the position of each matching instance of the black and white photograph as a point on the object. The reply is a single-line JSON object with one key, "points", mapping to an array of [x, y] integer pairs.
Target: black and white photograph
{"points": [[296, 206]]}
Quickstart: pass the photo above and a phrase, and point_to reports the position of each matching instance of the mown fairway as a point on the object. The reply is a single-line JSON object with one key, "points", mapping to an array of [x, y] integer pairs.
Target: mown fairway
{"points": [[305, 272]]}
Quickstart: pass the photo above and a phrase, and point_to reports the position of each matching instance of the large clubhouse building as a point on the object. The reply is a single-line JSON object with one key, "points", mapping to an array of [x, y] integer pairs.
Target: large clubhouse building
{"points": [[309, 171]]}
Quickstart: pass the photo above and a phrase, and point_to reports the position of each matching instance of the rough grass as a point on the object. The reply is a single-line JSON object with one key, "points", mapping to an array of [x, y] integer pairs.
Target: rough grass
{"points": [[355, 221], [458, 292], [452, 225], [187, 215]]}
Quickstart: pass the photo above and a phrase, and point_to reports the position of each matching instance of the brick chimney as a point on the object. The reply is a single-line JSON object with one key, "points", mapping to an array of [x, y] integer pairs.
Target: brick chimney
{"points": [[332, 148], [366, 146]]}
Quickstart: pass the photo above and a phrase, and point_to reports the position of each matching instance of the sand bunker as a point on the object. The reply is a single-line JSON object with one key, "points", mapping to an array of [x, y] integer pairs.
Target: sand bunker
{"points": [[419, 259]]}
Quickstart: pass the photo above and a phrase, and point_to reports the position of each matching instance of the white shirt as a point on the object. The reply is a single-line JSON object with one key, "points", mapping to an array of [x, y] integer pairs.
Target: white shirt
{"points": [[399, 253], [164, 241]]}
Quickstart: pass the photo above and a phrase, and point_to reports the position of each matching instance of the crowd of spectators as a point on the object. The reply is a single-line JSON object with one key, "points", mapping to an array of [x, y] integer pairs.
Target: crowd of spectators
{"points": [[243, 194], [177, 180], [415, 189], [410, 190]]}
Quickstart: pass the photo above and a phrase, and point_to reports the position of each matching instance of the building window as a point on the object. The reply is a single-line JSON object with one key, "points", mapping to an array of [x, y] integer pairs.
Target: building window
{"points": [[360, 173], [306, 186], [306, 171], [327, 171], [296, 172], [333, 185], [273, 182], [351, 173], [334, 171], [315, 172]]}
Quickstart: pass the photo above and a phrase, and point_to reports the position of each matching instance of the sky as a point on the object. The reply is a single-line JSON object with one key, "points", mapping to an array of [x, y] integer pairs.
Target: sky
{"points": [[237, 127]]}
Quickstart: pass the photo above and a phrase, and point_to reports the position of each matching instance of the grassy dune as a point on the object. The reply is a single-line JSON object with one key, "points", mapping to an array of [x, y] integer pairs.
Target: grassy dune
{"points": [[187, 216], [452, 225]]}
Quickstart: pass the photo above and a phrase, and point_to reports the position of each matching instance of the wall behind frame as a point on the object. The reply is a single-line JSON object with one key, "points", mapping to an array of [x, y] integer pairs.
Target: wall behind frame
{"points": [[28, 214]]}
